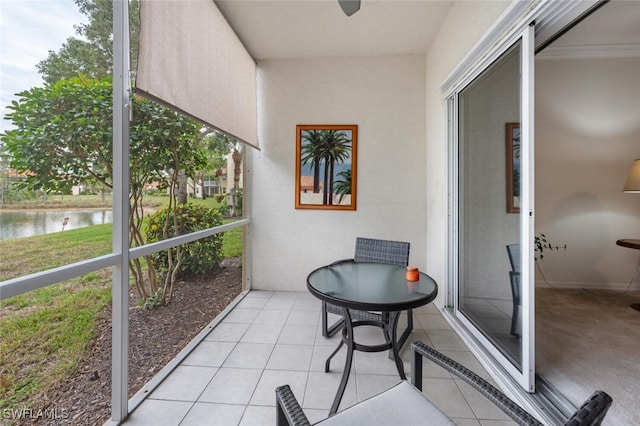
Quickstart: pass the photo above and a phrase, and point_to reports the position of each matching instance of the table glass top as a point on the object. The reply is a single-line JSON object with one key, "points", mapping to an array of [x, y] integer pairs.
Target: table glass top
{"points": [[379, 285]]}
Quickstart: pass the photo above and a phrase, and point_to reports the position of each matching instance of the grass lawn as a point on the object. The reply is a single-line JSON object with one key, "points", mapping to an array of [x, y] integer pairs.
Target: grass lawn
{"points": [[44, 333]]}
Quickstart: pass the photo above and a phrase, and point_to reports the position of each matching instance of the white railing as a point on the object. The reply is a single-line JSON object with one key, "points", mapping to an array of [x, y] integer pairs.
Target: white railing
{"points": [[27, 283]]}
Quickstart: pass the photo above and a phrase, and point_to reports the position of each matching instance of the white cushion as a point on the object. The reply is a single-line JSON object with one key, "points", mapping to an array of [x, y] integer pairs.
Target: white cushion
{"points": [[403, 404]]}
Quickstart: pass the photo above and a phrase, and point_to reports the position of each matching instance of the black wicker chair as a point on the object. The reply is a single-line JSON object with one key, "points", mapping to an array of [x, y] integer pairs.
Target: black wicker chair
{"points": [[405, 404], [370, 250]]}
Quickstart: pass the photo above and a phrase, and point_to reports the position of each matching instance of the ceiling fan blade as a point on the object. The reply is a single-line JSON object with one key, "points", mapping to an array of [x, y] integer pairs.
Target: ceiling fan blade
{"points": [[349, 7]]}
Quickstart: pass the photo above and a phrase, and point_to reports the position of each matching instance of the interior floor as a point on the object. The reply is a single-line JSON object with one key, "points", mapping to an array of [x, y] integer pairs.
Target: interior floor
{"points": [[588, 340], [585, 340]]}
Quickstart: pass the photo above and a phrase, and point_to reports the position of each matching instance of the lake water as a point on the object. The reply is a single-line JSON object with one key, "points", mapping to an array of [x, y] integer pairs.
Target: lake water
{"points": [[25, 223]]}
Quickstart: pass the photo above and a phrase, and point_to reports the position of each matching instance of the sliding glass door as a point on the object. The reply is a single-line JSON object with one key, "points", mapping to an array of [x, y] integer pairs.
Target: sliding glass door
{"points": [[493, 206]]}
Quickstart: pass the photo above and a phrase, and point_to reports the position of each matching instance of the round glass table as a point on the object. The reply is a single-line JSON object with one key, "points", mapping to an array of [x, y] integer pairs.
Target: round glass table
{"points": [[374, 287]]}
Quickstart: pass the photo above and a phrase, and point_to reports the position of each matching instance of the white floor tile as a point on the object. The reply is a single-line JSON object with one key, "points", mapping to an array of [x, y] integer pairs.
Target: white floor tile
{"points": [[228, 332], [300, 317], [369, 385], [290, 357], [252, 303], [298, 334], [186, 383], [446, 340], [279, 303], [376, 363], [307, 304], [272, 317], [262, 333], [249, 355], [320, 355], [271, 379], [209, 354], [259, 416], [322, 388], [159, 413], [445, 395], [232, 386], [204, 414], [244, 316], [274, 338], [431, 321]]}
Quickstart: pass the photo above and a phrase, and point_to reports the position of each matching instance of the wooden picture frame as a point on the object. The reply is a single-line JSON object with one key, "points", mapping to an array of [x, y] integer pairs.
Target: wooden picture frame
{"points": [[329, 150], [513, 167]]}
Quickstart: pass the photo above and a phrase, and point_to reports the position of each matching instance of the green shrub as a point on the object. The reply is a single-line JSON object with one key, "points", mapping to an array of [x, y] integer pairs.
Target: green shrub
{"points": [[198, 257], [224, 210]]}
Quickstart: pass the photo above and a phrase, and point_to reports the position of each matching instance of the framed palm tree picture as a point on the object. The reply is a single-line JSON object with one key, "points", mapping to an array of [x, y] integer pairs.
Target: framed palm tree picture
{"points": [[326, 166]]}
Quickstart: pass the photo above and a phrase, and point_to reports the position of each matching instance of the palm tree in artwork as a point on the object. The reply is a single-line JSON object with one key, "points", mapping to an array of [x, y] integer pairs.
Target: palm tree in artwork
{"points": [[312, 153], [343, 185], [336, 148]]}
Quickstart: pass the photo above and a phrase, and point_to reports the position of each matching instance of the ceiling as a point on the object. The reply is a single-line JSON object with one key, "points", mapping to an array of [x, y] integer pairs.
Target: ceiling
{"points": [[273, 29], [280, 29]]}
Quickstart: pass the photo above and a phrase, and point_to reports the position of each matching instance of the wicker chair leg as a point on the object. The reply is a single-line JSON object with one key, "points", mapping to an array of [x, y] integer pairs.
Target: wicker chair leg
{"points": [[326, 330]]}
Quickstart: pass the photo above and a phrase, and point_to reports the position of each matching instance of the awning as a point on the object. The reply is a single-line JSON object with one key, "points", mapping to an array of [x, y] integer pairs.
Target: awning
{"points": [[191, 60]]}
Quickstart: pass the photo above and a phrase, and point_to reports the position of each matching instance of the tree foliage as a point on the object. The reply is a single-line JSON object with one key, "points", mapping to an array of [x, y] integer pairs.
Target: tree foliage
{"points": [[91, 53], [62, 136], [63, 131]]}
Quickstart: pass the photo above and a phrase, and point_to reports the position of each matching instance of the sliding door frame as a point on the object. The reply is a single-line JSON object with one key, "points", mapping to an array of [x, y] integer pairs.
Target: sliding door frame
{"points": [[525, 373], [549, 19]]}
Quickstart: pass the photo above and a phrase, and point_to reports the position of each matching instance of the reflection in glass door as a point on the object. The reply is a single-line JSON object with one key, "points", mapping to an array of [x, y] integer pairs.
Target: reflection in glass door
{"points": [[493, 231]]}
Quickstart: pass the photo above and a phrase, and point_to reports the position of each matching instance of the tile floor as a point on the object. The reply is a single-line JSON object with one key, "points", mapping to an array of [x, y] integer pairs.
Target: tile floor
{"points": [[274, 338]]}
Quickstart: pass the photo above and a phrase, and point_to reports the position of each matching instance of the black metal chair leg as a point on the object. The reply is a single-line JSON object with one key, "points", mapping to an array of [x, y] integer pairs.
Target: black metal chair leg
{"points": [[326, 330]]}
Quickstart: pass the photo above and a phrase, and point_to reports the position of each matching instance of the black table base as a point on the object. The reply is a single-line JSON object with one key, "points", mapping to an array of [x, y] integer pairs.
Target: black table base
{"points": [[390, 331], [366, 287]]}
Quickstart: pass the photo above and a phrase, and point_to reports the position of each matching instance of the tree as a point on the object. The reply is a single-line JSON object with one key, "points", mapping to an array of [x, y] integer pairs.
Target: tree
{"points": [[335, 149], [216, 146], [62, 135], [343, 186], [64, 129], [312, 154], [223, 145], [236, 194], [92, 53], [325, 148]]}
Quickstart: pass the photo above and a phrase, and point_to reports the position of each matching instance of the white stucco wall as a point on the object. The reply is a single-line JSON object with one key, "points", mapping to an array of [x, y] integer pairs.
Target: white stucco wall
{"points": [[587, 135], [464, 26], [385, 97]]}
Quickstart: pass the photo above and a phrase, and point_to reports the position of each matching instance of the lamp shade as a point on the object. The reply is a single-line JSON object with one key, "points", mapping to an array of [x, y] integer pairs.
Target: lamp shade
{"points": [[633, 180]]}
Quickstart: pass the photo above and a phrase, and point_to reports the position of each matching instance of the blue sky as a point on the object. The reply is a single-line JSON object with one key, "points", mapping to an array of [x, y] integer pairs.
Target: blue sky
{"points": [[29, 29]]}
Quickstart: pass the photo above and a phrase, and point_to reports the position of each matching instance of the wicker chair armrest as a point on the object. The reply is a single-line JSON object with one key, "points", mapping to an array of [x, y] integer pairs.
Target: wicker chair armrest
{"points": [[288, 410], [510, 408], [593, 410]]}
